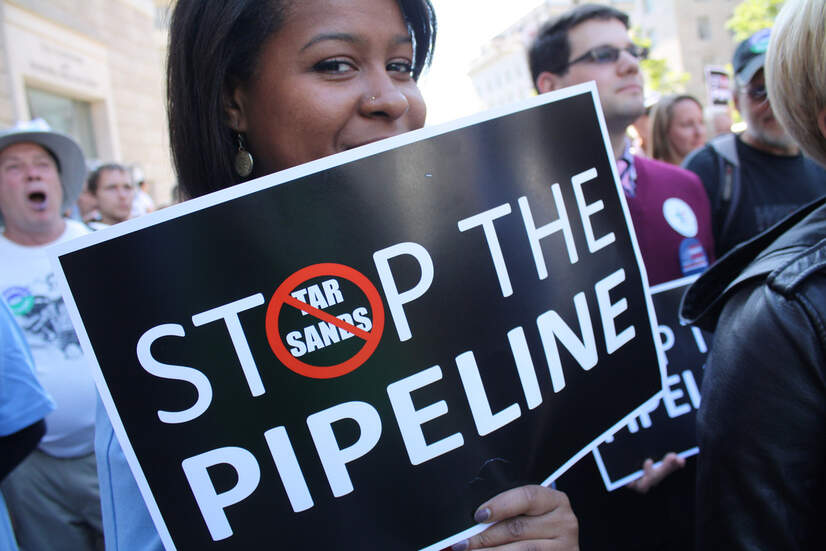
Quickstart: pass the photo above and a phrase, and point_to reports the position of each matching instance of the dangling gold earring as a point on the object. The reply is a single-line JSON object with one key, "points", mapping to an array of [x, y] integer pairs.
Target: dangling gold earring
{"points": [[243, 160]]}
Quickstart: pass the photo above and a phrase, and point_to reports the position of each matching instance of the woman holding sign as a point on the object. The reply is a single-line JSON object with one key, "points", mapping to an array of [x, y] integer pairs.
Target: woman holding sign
{"points": [[256, 87]]}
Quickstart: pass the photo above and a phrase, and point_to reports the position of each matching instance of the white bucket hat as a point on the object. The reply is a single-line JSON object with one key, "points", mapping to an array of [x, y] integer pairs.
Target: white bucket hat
{"points": [[71, 166]]}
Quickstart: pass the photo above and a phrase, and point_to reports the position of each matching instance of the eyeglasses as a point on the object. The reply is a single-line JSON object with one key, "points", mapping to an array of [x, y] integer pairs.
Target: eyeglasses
{"points": [[609, 54], [758, 92]]}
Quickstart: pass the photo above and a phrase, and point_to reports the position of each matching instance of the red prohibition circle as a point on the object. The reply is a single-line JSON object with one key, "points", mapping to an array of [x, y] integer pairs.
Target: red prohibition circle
{"points": [[282, 297]]}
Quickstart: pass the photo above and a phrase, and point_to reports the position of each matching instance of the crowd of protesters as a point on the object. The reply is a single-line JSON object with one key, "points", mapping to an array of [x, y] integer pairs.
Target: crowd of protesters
{"points": [[755, 198]]}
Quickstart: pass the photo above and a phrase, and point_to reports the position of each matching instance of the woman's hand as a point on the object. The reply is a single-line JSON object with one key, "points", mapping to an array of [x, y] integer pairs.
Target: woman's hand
{"points": [[532, 518]]}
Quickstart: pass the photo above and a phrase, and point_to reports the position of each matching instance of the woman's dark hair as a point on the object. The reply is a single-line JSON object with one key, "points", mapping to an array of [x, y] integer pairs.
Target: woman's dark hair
{"points": [[215, 45], [551, 49]]}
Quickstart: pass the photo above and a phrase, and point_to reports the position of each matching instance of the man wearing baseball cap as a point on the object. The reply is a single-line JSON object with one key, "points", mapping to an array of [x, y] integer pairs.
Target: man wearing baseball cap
{"points": [[758, 177], [53, 494]]}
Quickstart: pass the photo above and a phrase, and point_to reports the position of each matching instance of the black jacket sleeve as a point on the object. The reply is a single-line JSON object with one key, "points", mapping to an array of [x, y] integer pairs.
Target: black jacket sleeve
{"points": [[16, 446], [762, 423]]}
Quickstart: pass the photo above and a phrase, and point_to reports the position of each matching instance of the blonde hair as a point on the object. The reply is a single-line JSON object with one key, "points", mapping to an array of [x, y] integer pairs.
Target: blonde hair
{"points": [[661, 118], [796, 72]]}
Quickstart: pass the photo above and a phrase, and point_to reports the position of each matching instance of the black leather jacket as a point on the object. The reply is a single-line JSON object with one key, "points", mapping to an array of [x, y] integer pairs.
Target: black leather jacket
{"points": [[761, 481]]}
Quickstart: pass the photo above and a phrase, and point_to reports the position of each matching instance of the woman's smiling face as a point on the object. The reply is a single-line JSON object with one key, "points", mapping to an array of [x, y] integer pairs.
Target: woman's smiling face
{"points": [[335, 76]]}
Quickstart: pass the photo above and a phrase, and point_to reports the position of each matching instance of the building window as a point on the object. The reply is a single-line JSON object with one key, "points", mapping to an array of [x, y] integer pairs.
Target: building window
{"points": [[703, 28], [66, 115], [649, 6]]}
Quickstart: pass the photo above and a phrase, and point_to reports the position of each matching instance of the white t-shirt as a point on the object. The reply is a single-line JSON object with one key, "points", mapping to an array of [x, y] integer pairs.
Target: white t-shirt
{"points": [[29, 287], [95, 225], [141, 204]]}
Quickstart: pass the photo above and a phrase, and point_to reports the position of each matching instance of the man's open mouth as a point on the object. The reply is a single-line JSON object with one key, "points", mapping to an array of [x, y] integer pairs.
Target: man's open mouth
{"points": [[37, 199]]}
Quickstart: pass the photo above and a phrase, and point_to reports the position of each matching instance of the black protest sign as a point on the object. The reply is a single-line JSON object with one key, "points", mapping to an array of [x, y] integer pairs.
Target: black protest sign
{"points": [[667, 422], [365, 353]]}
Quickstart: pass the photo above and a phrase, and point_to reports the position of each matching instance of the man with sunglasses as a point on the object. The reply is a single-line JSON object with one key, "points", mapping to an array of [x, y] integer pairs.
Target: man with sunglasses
{"points": [[759, 176], [591, 42]]}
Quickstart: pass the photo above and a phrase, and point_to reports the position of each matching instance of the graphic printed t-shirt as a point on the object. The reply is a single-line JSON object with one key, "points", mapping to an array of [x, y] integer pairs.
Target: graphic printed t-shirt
{"points": [[30, 289]]}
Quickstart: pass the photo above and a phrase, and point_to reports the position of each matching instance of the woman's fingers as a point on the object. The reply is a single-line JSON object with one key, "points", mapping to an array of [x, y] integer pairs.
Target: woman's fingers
{"points": [[526, 518]]}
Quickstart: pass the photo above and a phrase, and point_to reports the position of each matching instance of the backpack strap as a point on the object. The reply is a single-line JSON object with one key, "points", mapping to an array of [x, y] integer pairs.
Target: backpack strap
{"points": [[729, 165]]}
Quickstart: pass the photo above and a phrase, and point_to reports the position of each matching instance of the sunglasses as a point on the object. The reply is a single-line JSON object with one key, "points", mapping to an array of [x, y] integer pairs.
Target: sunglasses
{"points": [[609, 54], [757, 93]]}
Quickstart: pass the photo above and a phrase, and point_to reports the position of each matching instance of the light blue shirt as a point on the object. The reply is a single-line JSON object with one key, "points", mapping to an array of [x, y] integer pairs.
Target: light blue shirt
{"points": [[127, 525], [23, 401]]}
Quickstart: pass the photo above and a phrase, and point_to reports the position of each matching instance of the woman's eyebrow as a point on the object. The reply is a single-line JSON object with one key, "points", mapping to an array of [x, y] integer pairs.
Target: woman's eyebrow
{"points": [[351, 38], [340, 37]]}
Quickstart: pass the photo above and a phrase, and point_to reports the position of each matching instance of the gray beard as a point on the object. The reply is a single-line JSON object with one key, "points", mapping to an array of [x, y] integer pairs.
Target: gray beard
{"points": [[784, 142]]}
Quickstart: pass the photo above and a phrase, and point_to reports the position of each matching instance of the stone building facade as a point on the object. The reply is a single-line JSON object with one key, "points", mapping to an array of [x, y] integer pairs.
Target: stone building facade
{"points": [[93, 70], [690, 34]]}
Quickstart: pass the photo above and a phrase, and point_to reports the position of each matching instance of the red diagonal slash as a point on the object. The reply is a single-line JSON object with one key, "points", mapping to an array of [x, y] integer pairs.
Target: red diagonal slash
{"points": [[281, 297], [324, 316]]}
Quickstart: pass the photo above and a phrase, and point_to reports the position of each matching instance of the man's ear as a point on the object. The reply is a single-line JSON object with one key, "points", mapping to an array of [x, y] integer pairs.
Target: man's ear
{"points": [[821, 122], [235, 108], [547, 82]]}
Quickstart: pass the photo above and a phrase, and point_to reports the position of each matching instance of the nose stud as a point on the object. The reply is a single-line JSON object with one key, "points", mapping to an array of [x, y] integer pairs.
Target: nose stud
{"points": [[371, 99]]}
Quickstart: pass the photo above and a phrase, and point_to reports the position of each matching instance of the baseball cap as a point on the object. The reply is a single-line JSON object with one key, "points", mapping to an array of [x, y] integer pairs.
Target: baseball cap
{"points": [[64, 149], [750, 56]]}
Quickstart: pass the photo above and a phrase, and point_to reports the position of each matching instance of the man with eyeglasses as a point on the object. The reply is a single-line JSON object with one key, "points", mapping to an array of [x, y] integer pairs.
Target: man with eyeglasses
{"points": [[591, 42], [671, 216], [759, 176]]}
